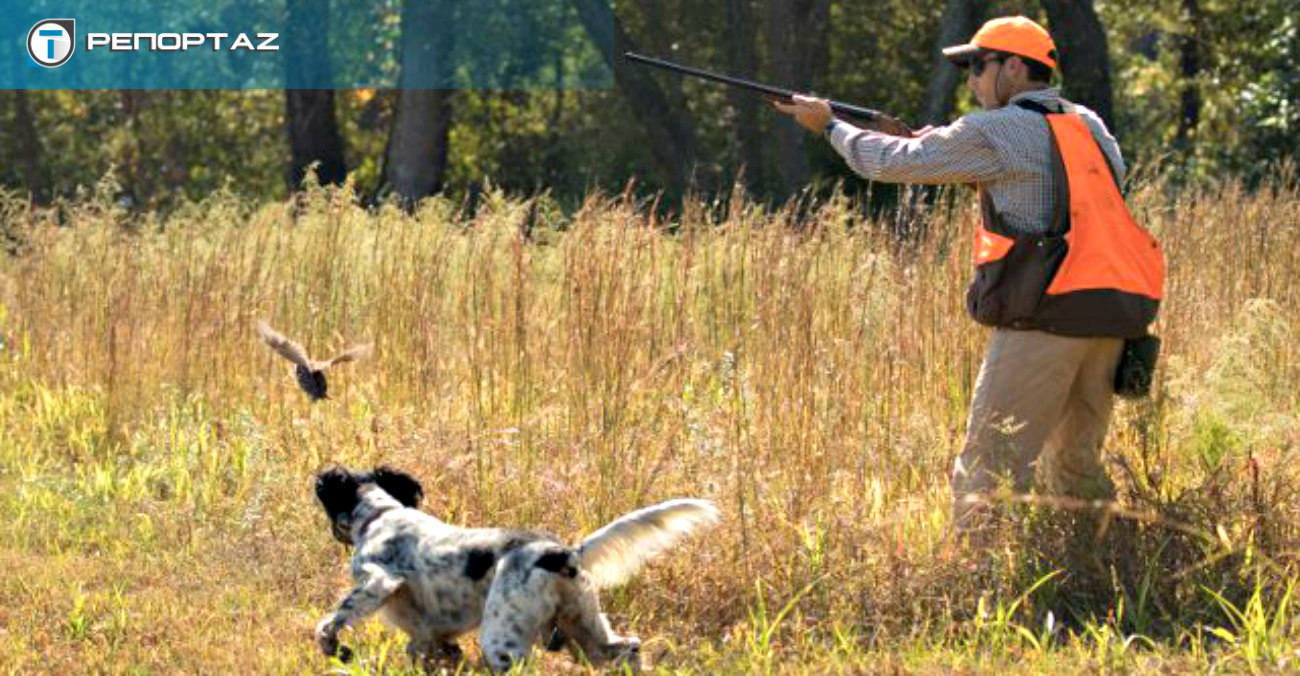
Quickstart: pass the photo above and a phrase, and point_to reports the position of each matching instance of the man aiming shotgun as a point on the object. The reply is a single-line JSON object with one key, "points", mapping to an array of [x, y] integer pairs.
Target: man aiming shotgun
{"points": [[1066, 277], [1063, 272]]}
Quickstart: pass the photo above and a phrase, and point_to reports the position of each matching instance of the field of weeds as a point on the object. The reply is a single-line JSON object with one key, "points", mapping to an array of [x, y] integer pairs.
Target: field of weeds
{"points": [[809, 371]]}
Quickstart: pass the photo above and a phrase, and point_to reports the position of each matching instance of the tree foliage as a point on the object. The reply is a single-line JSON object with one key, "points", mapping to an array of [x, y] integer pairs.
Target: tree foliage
{"points": [[168, 145]]}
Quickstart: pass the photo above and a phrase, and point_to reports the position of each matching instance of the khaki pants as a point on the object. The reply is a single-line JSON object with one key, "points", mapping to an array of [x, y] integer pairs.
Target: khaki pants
{"points": [[1041, 402]]}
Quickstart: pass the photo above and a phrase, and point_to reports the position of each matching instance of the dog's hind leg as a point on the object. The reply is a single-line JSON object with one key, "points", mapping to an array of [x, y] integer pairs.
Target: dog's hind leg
{"points": [[374, 586], [579, 618], [557, 641], [521, 603]]}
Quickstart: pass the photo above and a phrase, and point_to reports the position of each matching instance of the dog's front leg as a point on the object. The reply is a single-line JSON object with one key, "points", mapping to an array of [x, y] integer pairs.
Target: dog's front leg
{"points": [[373, 588]]}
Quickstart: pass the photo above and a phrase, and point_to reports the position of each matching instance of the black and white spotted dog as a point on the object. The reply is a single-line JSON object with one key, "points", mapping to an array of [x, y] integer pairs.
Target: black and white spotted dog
{"points": [[436, 581]]}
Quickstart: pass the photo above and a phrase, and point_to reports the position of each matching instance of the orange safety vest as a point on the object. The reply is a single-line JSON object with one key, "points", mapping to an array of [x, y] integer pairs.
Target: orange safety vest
{"points": [[1095, 272]]}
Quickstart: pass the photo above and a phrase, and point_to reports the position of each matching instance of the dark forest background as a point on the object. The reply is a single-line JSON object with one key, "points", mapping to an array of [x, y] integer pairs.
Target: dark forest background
{"points": [[1199, 89]]}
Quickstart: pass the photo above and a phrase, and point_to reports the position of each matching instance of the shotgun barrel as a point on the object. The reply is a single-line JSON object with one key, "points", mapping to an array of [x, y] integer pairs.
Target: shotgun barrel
{"points": [[839, 107]]}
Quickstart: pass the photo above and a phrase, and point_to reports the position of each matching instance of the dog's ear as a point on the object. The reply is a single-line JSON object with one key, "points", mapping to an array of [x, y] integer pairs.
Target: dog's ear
{"points": [[402, 486], [336, 488]]}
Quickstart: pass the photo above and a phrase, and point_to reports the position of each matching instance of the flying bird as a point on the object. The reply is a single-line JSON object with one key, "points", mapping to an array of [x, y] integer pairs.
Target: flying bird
{"points": [[309, 373]]}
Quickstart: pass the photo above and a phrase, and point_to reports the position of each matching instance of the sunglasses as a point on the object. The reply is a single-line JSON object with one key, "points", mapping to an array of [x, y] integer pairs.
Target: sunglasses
{"points": [[977, 66]]}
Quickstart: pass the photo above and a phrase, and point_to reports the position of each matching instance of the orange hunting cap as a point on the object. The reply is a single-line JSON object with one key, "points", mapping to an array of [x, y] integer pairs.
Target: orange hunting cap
{"points": [[1013, 35]]}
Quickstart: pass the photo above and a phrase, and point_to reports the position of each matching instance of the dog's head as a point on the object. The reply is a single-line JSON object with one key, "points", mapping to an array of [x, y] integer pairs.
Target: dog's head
{"points": [[341, 491]]}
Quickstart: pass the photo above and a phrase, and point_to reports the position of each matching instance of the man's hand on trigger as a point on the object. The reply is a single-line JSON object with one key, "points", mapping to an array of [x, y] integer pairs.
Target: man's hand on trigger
{"points": [[811, 113]]}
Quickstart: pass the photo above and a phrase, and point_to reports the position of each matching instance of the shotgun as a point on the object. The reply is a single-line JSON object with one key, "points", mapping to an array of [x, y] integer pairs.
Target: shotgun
{"points": [[874, 118]]}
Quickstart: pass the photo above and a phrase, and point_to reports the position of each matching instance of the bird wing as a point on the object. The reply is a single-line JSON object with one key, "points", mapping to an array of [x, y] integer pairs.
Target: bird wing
{"points": [[284, 347], [351, 354]]}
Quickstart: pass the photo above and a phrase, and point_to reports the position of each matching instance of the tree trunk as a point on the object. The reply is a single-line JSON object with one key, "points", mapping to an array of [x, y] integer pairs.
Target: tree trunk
{"points": [[959, 22], [415, 161], [671, 134], [314, 137], [788, 22], [1189, 61], [1084, 61], [27, 147], [134, 190], [313, 128], [796, 37], [742, 60]]}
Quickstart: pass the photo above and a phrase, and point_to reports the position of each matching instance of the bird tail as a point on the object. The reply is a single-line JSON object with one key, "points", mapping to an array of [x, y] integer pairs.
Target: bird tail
{"points": [[613, 554]]}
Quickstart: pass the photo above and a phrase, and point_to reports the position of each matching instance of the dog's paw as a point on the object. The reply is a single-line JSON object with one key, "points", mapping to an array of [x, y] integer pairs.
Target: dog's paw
{"points": [[329, 645], [441, 653], [626, 652], [329, 642], [500, 661]]}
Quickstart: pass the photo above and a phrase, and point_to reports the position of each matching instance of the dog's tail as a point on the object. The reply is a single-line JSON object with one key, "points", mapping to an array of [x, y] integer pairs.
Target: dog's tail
{"points": [[614, 553]]}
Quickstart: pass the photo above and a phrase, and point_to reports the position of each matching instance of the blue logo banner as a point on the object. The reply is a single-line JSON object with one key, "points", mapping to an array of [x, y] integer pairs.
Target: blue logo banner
{"points": [[300, 44]]}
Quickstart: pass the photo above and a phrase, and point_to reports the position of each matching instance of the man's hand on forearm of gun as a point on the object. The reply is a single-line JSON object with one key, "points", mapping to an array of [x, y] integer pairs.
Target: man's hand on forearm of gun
{"points": [[815, 115]]}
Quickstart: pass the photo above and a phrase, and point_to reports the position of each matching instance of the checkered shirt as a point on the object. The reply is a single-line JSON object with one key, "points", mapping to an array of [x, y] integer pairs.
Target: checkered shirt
{"points": [[1006, 151]]}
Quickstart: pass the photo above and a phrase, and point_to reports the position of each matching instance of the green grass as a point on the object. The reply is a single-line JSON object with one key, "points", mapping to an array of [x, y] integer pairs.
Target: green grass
{"points": [[156, 460]]}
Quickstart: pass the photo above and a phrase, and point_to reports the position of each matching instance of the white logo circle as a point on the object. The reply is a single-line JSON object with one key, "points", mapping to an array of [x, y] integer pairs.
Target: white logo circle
{"points": [[49, 44]]}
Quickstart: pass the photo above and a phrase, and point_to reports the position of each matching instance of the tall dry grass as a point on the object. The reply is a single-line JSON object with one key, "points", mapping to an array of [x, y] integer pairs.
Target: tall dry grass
{"points": [[809, 371]]}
